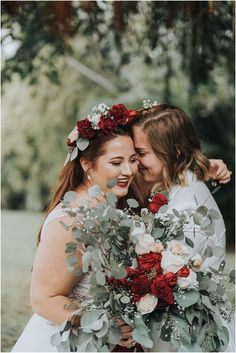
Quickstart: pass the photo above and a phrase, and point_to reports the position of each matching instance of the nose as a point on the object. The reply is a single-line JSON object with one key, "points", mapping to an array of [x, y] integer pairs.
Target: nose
{"points": [[126, 170]]}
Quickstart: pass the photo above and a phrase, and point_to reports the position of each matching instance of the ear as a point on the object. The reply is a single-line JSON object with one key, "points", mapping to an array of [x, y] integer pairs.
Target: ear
{"points": [[85, 164]]}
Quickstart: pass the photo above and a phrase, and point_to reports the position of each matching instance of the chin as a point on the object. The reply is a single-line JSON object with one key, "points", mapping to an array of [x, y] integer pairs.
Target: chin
{"points": [[119, 192]]}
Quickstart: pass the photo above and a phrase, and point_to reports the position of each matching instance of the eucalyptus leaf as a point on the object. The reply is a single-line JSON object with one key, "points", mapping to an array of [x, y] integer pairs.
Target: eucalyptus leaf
{"points": [[74, 153], [72, 260], [202, 210], [189, 242], [176, 212], [157, 232], [214, 214], [111, 198], [94, 191], [82, 143], [142, 339], [232, 276], [216, 189], [114, 335], [111, 183], [125, 299], [132, 203], [198, 218], [208, 252], [163, 209], [100, 277], [187, 298]]}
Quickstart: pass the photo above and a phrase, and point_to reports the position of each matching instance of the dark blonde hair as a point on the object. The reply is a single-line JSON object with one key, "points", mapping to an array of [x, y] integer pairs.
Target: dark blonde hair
{"points": [[175, 141], [72, 174]]}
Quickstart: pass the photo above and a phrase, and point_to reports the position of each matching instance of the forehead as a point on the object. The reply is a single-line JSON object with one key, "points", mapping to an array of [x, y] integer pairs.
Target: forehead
{"points": [[119, 146], [140, 138]]}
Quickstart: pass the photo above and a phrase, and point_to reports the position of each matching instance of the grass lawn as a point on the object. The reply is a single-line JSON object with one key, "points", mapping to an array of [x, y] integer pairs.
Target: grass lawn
{"points": [[19, 233]]}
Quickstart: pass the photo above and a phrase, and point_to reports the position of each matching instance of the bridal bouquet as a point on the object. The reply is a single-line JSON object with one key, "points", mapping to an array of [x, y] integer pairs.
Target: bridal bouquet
{"points": [[141, 270]]}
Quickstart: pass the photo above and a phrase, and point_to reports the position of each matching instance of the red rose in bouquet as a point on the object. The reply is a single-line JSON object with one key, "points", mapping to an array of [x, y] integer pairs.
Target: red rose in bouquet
{"points": [[183, 272], [162, 290], [157, 202], [139, 286], [85, 128], [150, 261]]}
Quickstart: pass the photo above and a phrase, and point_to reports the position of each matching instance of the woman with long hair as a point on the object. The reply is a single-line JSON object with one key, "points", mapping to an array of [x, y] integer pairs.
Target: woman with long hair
{"points": [[109, 153], [171, 159]]}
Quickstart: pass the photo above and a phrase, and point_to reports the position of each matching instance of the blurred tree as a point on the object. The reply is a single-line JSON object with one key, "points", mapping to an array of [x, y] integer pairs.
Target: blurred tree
{"points": [[61, 58]]}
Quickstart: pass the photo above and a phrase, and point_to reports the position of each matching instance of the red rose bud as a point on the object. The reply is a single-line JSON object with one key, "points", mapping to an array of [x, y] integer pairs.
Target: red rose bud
{"points": [[183, 272], [70, 144], [157, 202]]}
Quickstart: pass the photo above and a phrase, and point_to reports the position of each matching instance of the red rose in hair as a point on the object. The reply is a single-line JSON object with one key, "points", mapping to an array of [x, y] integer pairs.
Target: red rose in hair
{"points": [[85, 128], [106, 124], [183, 272], [131, 115], [139, 286], [161, 289], [157, 202], [118, 112], [150, 261]]}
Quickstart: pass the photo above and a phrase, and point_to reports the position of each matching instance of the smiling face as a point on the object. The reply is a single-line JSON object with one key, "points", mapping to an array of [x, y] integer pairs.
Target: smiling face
{"points": [[119, 160], [150, 166]]}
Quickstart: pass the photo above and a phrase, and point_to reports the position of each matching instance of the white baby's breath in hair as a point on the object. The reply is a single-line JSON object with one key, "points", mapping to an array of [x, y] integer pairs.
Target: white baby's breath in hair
{"points": [[94, 118], [148, 104]]}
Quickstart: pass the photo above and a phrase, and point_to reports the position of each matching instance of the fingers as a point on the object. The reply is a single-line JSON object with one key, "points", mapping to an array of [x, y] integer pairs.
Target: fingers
{"points": [[219, 171], [126, 343]]}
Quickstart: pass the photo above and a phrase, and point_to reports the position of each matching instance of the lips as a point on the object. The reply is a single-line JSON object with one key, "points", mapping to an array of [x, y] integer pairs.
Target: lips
{"points": [[122, 183]]}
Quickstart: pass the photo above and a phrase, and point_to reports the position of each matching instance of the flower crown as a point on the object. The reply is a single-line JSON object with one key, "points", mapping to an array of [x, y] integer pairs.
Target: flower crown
{"points": [[102, 118]]}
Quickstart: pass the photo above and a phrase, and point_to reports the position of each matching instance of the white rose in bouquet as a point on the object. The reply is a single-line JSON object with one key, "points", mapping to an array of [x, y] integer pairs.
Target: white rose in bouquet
{"points": [[144, 244], [177, 248], [188, 282], [137, 231], [147, 304], [171, 262], [157, 247]]}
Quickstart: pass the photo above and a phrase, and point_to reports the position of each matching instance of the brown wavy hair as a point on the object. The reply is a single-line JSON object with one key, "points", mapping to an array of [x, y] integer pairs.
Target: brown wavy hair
{"points": [[175, 141], [72, 174]]}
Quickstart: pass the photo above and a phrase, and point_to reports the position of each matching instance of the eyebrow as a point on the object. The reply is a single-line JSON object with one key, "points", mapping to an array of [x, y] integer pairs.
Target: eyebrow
{"points": [[140, 149], [120, 157]]}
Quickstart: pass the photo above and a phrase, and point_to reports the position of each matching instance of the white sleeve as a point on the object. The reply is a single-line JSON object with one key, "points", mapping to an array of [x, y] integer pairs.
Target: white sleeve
{"points": [[190, 198]]}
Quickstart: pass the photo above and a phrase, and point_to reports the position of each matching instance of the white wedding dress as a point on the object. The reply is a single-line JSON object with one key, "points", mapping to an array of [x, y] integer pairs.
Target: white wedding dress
{"points": [[190, 197], [38, 331]]}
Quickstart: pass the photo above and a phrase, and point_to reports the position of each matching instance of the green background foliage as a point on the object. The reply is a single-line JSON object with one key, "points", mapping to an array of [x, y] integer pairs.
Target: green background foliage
{"points": [[61, 58]]}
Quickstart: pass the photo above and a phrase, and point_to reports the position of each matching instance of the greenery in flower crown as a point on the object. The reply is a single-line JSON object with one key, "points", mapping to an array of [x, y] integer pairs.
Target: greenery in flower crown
{"points": [[102, 119], [116, 244]]}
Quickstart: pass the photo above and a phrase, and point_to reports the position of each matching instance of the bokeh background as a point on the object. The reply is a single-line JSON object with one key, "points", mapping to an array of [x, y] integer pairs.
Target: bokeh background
{"points": [[61, 58]]}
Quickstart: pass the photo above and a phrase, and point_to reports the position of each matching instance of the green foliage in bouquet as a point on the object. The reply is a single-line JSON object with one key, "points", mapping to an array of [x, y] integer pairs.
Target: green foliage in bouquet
{"points": [[113, 243]]}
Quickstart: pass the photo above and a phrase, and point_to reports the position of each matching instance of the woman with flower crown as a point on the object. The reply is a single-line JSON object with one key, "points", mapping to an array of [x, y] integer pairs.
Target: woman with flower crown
{"points": [[171, 159], [100, 148]]}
